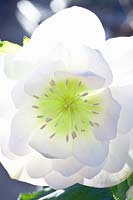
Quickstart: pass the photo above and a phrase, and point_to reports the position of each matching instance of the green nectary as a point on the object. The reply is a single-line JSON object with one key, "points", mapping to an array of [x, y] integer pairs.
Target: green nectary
{"points": [[67, 108]]}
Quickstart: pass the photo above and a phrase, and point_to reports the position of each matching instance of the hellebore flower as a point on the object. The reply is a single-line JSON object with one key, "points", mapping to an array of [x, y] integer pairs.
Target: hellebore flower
{"points": [[74, 100]]}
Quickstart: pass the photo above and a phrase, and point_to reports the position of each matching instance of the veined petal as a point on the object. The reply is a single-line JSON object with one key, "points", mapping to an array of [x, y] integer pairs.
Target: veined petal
{"points": [[118, 52], [19, 96], [72, 24], [38, 166], [124, 97], [21, 129], [107, 121], [67, 167], [17, 65], [90, 172], [51, 146], [106, 179], [57, 181], [90, 151], [118, 154], [80, 58]]}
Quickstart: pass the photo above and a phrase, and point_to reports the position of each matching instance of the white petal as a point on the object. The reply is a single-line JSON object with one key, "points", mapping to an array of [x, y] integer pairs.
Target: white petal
{"points": [[51, 147], [118, 52], [106, 179], [16, 169], [108, 117], [38, 166], [80, 58], [89, 79], [18, 65], [124, 97], [72, 24], [40, 78], [19, 96], [21, 129], [90, 151], [90, 172], [118, 153], [57, 181], [67, 167]]}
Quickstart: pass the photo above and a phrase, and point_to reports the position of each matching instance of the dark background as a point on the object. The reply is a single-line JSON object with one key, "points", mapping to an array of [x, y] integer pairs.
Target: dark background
{"points": [[117, 19]]}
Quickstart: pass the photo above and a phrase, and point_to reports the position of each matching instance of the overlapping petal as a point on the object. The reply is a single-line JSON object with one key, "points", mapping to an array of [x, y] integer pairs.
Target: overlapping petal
{"points": [[101, 153]]}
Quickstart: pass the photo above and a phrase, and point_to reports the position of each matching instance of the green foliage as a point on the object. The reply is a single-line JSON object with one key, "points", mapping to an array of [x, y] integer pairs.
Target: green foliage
{"points": [[26, 40], [8, 47], [76, 192], [119, 191], [36, 195]]}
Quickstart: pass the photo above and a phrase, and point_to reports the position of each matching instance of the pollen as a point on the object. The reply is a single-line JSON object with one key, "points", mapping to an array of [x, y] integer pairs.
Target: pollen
{"points": [[66, 108]]}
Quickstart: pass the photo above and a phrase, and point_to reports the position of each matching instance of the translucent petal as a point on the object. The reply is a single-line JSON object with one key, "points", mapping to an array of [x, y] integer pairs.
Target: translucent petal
{"points": [[72, 24]]}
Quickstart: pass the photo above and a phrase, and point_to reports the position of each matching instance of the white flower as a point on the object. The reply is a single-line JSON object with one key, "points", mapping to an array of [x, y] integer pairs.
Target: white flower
{"points": [[73, 124]]}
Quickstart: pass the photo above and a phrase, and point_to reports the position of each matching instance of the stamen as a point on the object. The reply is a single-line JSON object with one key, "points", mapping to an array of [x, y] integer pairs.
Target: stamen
{"points": [[35, 107], [82, 130], [48, 119], [79, 83], [52, 136], [56, 125], [66, 82], [84, 94], [74, 135], [96, 104], [46, 95], [97, 124], [67, 138], [94, 112], [86, 101], [82, 121], [91, 123], [40, 116], [51, 90], [35, 96], [76, 128], [52, 82], [42, 127]]}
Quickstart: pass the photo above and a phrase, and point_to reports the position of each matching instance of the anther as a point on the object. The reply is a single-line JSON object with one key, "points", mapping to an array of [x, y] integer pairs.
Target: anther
{"points": [[40, 116], [56, 125], [74, 135], [97, 124], [52, 136], [79, 83], [67, 138], [46, 95], [86, 101], [76, 128], [82, 121], [96, 104], [66, 82], [48, 119], [94, 112], [35, 107], [51, 90], [52, 82], [91, 123], [84, 94], [35, 96], [42, 127], [82, 130]]}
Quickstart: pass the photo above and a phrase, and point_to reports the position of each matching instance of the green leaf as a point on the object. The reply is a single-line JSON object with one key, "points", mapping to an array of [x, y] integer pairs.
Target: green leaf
{"points": [[8, 47], [35, 195], [119, 191], [26, 40], [75, 192]]}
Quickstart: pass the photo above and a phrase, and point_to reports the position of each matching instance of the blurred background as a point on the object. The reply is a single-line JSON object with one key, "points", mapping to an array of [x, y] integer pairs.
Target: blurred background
{"points": [[19, 18]]}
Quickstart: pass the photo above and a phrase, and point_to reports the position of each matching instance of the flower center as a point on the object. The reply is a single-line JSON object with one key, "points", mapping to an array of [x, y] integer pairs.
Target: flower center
{"points": [[67, 108]]}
